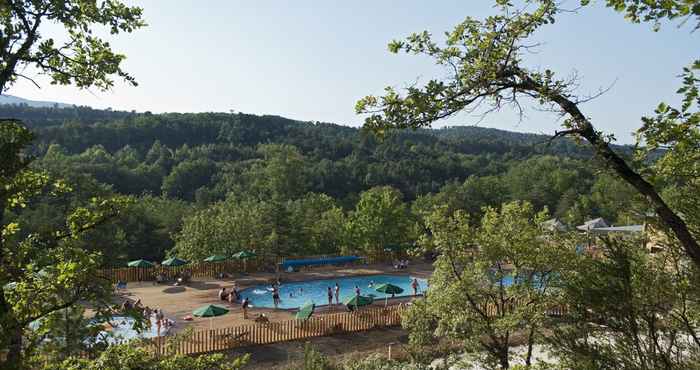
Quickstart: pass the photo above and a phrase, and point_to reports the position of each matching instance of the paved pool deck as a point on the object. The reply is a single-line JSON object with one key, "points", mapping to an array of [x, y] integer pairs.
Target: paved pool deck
{"points": [[179, 301]]}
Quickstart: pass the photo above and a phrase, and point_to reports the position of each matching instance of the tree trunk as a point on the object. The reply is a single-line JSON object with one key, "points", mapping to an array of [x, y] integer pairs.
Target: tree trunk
{"points": [[584, 128], [14, 356], [503, 357], [530, 344]]}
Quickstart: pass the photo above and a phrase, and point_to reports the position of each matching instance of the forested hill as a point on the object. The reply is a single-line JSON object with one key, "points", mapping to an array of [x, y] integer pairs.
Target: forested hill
{"points": [[179, 155], [182, 168], [173, 129]]}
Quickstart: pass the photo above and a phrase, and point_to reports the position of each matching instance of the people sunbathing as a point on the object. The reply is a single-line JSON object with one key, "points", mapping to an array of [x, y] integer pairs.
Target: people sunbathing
{"points": [[262, 319], [223, 294]]}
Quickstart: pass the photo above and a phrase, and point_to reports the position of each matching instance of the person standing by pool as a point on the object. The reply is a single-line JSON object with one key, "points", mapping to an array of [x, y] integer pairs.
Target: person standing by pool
{"points": [[337, 293], [275, 296], [159, 319], [357, 290], [414, 285], [330, 296], [244, 306]]}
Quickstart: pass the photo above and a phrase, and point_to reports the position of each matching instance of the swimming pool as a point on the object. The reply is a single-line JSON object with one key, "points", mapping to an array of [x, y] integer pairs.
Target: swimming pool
{"points": [[315, 291], [121, 329]]}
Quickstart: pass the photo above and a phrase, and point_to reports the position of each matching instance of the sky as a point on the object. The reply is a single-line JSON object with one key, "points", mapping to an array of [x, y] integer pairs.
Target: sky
{"points": [[312, 60]]}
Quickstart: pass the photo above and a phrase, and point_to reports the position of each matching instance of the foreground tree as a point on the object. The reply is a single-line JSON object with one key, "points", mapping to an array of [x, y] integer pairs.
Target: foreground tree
{"points": [[492, 283], [38, 275], [43, 274], [133, 357], [485, 60], [83, 59], [630, 310]]}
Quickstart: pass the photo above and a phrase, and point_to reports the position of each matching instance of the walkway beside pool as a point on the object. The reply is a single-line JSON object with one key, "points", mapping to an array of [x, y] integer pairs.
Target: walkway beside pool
{"points": [[178, 302]]}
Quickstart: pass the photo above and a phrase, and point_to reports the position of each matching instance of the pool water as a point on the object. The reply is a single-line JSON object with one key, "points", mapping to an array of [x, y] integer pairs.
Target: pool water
{"points": [[316, 291], [122, 330]]}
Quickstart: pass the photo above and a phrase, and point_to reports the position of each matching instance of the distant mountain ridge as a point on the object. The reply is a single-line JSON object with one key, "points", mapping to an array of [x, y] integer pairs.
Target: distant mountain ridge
{"points": [[16, 100], [264, 129]]}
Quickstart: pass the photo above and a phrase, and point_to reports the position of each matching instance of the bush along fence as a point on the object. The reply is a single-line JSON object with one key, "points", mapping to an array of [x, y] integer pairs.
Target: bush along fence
{"points": [[257, 334]]}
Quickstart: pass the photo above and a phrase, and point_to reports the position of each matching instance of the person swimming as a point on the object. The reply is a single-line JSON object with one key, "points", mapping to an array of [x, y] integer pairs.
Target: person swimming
{"points": [[371, 284]]}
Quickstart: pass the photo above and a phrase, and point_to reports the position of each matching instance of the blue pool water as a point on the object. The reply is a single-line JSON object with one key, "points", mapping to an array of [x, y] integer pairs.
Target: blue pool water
{"points": [[123, 330], [315, 291]]}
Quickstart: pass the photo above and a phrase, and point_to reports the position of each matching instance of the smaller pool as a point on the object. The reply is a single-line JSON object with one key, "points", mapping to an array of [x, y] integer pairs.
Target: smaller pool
{"points": [[122, 330], [296, 294]]}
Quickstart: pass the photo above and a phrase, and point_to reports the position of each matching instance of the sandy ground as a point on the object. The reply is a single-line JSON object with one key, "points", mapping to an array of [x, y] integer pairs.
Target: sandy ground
{"points": [[540, 354], [179, 301], [340, 348]]}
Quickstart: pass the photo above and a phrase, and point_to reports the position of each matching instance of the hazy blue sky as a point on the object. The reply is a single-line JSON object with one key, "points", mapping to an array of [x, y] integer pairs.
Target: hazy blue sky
{"points": [[311, 60]]}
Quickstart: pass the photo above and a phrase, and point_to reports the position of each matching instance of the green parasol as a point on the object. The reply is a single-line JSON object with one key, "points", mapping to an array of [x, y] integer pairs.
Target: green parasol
{"points": [[210, 311], [393, 248], [140, 263], [388, 289], [215, 258], [242, 255], [305, 311], [358, 301], [174, 262]]}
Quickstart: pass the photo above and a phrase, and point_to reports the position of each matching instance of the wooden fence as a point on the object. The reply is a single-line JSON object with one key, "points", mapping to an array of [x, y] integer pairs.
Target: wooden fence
{"points": [[199, 269], [552, 310], [256, 334]]}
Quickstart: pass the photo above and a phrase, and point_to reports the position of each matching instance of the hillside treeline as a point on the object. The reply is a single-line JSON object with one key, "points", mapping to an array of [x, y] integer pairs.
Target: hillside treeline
{"points": [[228, 181]]}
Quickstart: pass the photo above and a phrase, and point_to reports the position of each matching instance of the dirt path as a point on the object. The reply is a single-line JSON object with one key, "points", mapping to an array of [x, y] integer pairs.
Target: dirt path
{"points": [[339, 347]]}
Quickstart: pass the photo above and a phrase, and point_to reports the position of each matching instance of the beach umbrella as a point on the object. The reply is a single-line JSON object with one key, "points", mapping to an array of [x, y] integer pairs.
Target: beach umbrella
{"points": [[215, 258], [140, 263], [174, 261], [244, 255], [210, 311], [388, 289], [305, 311], [358, 301]]}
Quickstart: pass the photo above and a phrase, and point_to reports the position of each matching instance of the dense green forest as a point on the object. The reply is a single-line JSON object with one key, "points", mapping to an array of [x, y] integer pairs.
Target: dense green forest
{"points": [[223, 182]]}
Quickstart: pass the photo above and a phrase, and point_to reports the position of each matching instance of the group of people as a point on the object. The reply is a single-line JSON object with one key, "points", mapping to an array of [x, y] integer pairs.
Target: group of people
{"points": [[234, 296], [401, 264], [148, 313], [334, 292]]}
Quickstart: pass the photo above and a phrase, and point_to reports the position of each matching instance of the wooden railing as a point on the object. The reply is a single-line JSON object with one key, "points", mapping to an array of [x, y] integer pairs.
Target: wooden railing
{"points": [[491, 309], [199, 269], [257, 334]]}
